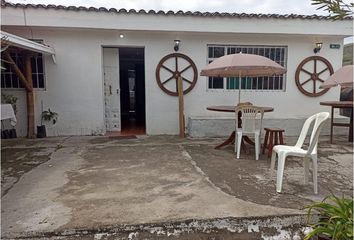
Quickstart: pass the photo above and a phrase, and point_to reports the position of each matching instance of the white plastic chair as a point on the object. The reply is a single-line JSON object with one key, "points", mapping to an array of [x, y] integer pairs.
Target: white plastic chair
{"points": [[282, 151], [251, 125]]}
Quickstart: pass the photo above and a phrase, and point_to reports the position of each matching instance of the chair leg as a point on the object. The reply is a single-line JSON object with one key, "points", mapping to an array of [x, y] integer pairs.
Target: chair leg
{"points": [[280, 171], [272, 163], [239, 140], [265, 141], [256, 145], [235, 142], [306, 169], [314, 173]]}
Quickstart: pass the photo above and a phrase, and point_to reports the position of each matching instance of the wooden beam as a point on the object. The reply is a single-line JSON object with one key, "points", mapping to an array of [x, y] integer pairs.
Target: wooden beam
{"points": [[30, 98], [18, 71], [180, 107]]}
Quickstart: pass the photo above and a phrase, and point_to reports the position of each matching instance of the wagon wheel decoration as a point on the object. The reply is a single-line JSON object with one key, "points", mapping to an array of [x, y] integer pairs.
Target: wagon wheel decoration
{"points": [[314, 78], [176, 71]]}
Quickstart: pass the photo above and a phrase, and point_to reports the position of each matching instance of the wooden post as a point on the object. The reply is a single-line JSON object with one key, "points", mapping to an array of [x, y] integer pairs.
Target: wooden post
{"points": [[180, 107], [30, 98], [26, 80]]}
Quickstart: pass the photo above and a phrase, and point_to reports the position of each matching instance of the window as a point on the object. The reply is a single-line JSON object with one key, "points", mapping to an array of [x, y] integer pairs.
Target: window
{"points": [[9, 79], [273, 83]]}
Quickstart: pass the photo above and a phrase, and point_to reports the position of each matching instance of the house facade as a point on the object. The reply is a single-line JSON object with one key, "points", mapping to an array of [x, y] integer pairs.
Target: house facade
{"points": [[110, 66]]}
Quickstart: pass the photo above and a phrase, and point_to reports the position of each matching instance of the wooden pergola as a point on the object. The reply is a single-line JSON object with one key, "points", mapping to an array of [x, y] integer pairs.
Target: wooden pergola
{"points": [[11, 42]]}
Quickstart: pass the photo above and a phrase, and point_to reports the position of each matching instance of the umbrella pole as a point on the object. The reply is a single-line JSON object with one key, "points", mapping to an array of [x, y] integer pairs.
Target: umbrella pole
{"points": [[239, 87]]}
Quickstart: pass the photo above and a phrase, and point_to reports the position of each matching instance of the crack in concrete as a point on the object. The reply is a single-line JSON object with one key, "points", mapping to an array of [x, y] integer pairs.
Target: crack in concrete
{"points": [[21, 172], [39, 208], [188, 157]]}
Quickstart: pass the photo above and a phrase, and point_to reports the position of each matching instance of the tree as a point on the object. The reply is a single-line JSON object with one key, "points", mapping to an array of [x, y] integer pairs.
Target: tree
{"points": [[338, 9]]}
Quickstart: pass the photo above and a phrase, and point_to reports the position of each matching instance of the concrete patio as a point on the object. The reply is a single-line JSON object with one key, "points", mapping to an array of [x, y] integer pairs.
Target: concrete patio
{"points": [[157, 187]]}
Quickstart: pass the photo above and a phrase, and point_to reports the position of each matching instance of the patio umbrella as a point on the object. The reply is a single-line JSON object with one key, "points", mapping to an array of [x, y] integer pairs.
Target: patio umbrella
{"points": [[242, 65], [343, 77]]}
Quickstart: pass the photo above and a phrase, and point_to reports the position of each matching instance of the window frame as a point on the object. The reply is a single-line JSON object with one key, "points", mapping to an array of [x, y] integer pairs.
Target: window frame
{"points": [[34, 73], [225, 79]]}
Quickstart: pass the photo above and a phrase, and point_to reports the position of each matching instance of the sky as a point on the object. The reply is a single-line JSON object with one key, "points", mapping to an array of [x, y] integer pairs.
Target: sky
{"points": [[236, 6]]}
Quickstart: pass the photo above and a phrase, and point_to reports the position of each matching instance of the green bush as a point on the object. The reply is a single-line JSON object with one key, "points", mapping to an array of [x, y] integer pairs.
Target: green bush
{"points": [[335, 218]]}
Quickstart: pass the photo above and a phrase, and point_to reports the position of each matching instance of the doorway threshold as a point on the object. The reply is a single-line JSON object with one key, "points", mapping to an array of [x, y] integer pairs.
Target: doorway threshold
{"points": [[122, 134]]}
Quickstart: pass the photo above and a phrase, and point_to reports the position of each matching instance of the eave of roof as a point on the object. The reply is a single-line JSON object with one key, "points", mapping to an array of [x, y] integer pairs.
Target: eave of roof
{"points": [[16, 41], [178, 13]]}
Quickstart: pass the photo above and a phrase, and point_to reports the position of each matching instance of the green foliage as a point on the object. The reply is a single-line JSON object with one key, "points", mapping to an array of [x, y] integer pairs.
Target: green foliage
{"points": [[338, 9], [9, 99], [335, 218], [49, 115]]}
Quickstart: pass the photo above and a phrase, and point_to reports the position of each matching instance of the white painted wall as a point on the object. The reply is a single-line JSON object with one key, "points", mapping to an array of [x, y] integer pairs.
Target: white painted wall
{"points": [[74, 86]]}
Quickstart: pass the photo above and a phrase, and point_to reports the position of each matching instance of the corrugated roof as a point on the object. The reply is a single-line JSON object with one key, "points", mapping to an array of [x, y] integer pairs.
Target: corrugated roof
{"points": [[153, 12]]}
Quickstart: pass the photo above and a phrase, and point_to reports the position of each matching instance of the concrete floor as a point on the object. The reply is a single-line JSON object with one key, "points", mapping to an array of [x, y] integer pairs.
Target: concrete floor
{"points": [[55, 185]]}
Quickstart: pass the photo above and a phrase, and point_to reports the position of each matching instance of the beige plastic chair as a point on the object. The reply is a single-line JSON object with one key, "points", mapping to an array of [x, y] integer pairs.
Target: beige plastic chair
{"points": [[282, 151], [251, 118]]}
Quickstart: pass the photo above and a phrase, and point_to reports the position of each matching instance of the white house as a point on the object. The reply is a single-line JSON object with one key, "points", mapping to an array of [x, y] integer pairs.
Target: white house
{"points": [[107, 62]]}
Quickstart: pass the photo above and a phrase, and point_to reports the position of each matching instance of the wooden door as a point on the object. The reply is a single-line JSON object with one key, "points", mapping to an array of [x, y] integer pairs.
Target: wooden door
{"points": [[111, 89]]}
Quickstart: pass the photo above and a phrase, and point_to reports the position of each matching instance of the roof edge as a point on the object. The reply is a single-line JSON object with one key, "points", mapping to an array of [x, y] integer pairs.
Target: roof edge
{"points": [[160, 12], [24, 43]]}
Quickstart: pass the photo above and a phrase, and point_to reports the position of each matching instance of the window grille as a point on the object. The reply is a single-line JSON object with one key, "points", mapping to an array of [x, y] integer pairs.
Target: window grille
{"points": [[273, 83], [9, 79]]}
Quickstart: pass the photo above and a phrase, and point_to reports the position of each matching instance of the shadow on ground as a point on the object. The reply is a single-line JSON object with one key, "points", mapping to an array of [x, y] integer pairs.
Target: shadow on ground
{"points": [[251, 180]]}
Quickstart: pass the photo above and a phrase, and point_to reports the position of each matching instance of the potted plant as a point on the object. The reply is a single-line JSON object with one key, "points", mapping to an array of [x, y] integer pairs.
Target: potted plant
{"points": [[335, 219], [47, 116]]}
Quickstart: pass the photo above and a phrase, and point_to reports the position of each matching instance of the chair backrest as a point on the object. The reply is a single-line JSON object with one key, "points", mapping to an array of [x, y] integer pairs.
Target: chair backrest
{"points": [[318, 120], [250, 116], [244, 103]]}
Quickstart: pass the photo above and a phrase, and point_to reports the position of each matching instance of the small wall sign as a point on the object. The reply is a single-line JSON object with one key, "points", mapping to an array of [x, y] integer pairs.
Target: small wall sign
{"points": [[334, 46]]}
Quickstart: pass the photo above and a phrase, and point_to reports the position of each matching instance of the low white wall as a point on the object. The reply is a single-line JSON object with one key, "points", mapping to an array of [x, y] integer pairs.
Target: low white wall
{"points": [[199, 127]]}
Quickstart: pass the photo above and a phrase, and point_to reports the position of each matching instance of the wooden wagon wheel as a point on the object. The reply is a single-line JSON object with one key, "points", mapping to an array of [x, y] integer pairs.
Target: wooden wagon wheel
{"points": [[176, 72], [314, 76]]}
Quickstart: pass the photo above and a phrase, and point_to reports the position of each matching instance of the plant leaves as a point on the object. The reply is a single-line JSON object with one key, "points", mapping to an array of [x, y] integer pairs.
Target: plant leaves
{"points": [[335, 218]]}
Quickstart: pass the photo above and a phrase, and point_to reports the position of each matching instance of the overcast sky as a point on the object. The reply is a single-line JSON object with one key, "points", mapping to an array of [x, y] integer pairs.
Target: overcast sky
{"points": [[237, 6]]}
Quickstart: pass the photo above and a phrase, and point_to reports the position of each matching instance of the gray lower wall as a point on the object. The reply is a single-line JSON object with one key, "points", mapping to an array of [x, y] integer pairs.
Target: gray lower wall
{"points": [[199, 127]]}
